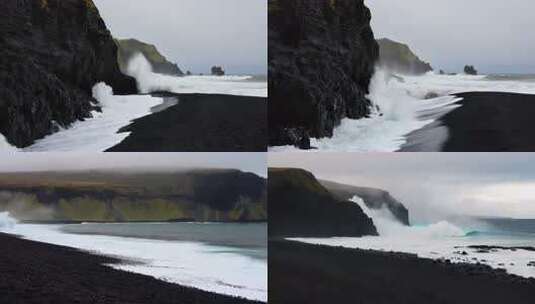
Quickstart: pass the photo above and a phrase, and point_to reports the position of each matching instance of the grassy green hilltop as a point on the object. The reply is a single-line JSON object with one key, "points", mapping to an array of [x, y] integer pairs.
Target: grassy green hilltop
{"points": [[200, 195]]}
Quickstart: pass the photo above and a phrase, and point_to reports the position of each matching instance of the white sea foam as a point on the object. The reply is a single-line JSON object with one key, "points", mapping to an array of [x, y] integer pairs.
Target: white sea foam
{"points": [[6, 222], [442, 240], [213, 268], [5, 146], [100, 132], [148, 81], [402, 107]]}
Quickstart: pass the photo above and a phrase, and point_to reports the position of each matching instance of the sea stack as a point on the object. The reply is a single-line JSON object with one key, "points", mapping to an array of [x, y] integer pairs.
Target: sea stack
{"points": [[470, 70], [218, 71], [51, 55], [321, 59]]}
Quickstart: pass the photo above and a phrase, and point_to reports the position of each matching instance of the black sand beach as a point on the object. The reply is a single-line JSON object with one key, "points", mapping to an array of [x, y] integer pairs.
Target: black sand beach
{"points": [[302, 273], [201, 123], [32, 272], [485, 122]]}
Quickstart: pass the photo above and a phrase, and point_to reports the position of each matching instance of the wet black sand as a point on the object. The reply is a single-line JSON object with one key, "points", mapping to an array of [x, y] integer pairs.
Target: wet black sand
{"points": [[302, 273], [32, 272], [485, 122], [201, 123]]}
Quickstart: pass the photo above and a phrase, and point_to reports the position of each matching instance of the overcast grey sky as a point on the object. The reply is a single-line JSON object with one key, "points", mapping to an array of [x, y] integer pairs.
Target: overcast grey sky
{"points": [[494, 35], [249, 162], [196, 34], [433, 186]]}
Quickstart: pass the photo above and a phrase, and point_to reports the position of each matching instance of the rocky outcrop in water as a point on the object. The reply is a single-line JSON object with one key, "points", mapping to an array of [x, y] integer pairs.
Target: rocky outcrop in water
{"points": [[300, 206], [373, 198], [399, 58], [470, 70], [322, 55], [203, 195], [218, 71], [128, 48], [51, 55]]}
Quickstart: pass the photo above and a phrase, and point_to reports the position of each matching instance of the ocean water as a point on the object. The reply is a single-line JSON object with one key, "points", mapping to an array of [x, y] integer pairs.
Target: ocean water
{"points": [[218, 257], [447, 240], [408, 103], [99, 133]]}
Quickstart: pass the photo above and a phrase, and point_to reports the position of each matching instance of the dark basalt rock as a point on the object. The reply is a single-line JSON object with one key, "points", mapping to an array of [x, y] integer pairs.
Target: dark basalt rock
{"points": [[218, 71], [299, 206], [470, 70], [321, 59], [51, 55], [373, 198]]}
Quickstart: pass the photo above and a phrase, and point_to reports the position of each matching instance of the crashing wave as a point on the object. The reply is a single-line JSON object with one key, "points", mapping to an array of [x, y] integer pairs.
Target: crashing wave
{"points": [[6, 221]]}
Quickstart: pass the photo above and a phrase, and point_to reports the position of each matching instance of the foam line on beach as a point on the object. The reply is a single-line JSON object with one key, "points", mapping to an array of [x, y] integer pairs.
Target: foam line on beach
{"points": [[218, 269]]}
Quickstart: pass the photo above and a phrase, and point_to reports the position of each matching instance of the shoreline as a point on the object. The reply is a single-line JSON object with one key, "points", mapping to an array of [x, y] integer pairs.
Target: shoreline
{"points": [[192, 221], [199, 122], [484, 122], [73, 276], [343, 275]]}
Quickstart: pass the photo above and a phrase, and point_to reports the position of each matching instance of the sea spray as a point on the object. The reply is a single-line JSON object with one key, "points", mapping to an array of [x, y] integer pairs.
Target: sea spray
{"points": [[389, 100], [440, 240], [148, 81], [388, 225], [395, 113], [402, 104], [103, 93], [5, 146], [6, 221], [385, 222], [141, 69]]}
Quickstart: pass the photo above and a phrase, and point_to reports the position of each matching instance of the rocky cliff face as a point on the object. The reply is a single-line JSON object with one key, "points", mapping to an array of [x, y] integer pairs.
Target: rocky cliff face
{"points": [[322, 55], [300, 206], [204, 195], [128, 48], [51, 55], [398, 57], [373, 198]]}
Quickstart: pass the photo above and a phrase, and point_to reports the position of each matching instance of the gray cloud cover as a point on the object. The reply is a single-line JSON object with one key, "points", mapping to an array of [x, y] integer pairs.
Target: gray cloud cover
{"points": [[492, 35], [196, 33], [249, 162], [433, 186]]}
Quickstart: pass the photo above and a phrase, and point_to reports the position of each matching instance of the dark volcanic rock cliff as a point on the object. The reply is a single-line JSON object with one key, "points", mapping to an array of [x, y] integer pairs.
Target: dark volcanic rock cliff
{"points": [[51, 55], [300, 206], [373, 198], [128, 48], [322, 55], [398, 57], [204, 195]]}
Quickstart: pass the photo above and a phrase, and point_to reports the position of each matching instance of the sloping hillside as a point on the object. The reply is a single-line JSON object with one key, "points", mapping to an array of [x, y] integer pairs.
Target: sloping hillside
{"points": [[202, 195], [398, 57], [128, 48], [300, 206]]}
